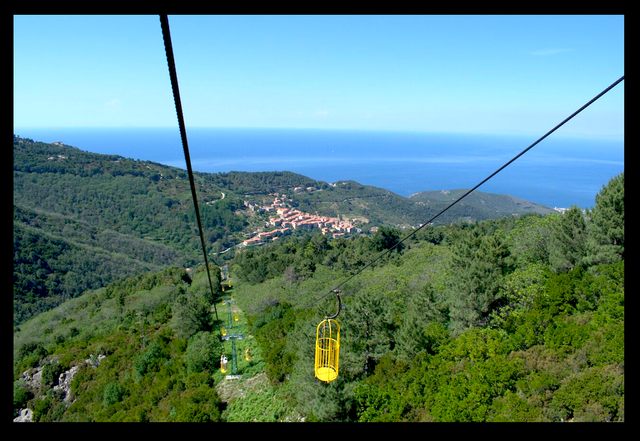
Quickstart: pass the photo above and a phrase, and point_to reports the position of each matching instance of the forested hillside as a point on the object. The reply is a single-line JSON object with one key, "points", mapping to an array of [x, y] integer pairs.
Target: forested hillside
{"points": [[504, 320], [516, 319], [82, 220], [479, 204]]}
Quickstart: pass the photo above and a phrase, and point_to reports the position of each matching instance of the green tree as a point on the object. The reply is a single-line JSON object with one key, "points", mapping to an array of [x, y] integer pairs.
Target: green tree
{"points": [[385, 239], [21, 395], [480, 370], [200, 284], [191, 314], [422, 326], [377, 396], [50, 373], [529, 239], [203, 353], [272, 327], [519, 291], [200, 405], [596, 394], [513, 407], [568, 240], [307, 260], [475, 274], [605, 243], [150, 360], [370, 331], [111, 394]]}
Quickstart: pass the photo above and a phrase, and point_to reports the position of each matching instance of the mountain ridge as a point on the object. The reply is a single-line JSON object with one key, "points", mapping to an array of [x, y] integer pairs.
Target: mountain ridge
{"points": [[404, 212], [501, 203]]}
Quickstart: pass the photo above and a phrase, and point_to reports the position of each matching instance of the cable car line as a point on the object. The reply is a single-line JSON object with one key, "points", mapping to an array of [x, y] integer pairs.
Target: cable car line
{"points": [[328, 331], [166, 35], [387, 251]]}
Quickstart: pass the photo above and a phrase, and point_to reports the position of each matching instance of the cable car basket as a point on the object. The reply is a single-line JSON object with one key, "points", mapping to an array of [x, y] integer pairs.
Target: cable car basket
{"points": [[328, 347]]}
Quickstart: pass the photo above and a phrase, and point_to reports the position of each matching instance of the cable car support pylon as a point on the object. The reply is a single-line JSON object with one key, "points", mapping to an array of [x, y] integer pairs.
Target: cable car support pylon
{"points": [[231, 335]]}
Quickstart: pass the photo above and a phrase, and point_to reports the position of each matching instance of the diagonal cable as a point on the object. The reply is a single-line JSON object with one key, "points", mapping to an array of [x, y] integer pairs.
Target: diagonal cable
{"points": [[387, 251], [166, 35]]}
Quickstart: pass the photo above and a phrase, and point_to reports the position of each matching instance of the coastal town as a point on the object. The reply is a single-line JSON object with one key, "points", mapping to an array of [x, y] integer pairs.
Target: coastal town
{"points": [[286, 219]]}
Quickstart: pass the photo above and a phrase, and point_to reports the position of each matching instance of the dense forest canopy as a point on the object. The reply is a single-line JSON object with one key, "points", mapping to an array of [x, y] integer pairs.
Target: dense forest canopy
{"points": [[512, 319]]}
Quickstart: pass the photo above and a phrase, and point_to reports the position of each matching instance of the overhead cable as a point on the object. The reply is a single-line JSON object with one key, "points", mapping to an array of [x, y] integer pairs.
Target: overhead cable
{"points": [[387, 251], [166, 34]]}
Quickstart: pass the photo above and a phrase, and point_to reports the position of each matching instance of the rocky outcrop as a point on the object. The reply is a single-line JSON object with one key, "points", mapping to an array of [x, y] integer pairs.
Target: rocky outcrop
{"points": [[33, 380], [25, 416], [64, 383]]}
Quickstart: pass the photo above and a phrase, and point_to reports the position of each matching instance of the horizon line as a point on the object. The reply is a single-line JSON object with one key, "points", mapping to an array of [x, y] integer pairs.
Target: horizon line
{"points": [[572, 135]]}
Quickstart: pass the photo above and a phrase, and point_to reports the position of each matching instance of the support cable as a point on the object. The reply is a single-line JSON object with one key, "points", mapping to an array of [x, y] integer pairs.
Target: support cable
{"points": [[166, 35], [387, 251]]}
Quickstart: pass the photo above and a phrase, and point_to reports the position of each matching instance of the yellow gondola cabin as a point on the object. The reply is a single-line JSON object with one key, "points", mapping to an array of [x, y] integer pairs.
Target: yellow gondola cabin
{"points": [[328, 347]]}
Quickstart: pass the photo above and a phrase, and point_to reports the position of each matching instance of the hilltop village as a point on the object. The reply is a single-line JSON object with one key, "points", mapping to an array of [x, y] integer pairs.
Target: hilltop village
{"points": [[287, 219]]}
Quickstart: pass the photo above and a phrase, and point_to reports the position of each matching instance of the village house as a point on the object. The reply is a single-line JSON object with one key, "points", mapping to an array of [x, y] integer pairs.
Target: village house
{"points": [[253, 241], [288, 219]]}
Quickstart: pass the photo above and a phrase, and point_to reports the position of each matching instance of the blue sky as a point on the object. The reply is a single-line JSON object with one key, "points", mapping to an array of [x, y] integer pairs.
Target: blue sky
{"points": [[472, 74]]}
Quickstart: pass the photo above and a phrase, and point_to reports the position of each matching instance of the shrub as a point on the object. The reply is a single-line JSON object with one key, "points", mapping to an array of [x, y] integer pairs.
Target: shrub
{"points": [[203, 353], [595, 393], [111, 394], [149, 360], [51, 372], [21, 395]]}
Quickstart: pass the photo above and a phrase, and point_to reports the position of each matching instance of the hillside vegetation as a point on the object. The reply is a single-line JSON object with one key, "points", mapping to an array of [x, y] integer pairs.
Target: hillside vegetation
{"points": [[512, 319], [480, 205], [506, 320], [82, 220]]}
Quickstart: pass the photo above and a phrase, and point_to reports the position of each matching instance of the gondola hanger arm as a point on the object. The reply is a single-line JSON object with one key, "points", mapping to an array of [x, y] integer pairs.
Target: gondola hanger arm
{"points": [[337, 293]]}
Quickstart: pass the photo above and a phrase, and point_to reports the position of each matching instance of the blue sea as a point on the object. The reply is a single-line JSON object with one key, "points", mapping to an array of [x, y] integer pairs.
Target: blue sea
{"points": [[558, 172]]}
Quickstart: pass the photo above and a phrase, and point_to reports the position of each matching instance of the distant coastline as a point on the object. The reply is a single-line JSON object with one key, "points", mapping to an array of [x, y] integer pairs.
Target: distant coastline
{"points": [[559, 172]]}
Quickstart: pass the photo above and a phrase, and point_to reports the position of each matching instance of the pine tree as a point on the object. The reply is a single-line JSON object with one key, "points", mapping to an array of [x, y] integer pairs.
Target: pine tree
{"points": [[568, 241], [605, 242], [475, 275], [367, 329], [422, 324]]}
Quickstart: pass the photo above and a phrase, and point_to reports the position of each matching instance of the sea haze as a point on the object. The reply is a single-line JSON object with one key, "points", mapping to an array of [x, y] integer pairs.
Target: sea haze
{"points": [[558, 172]]}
